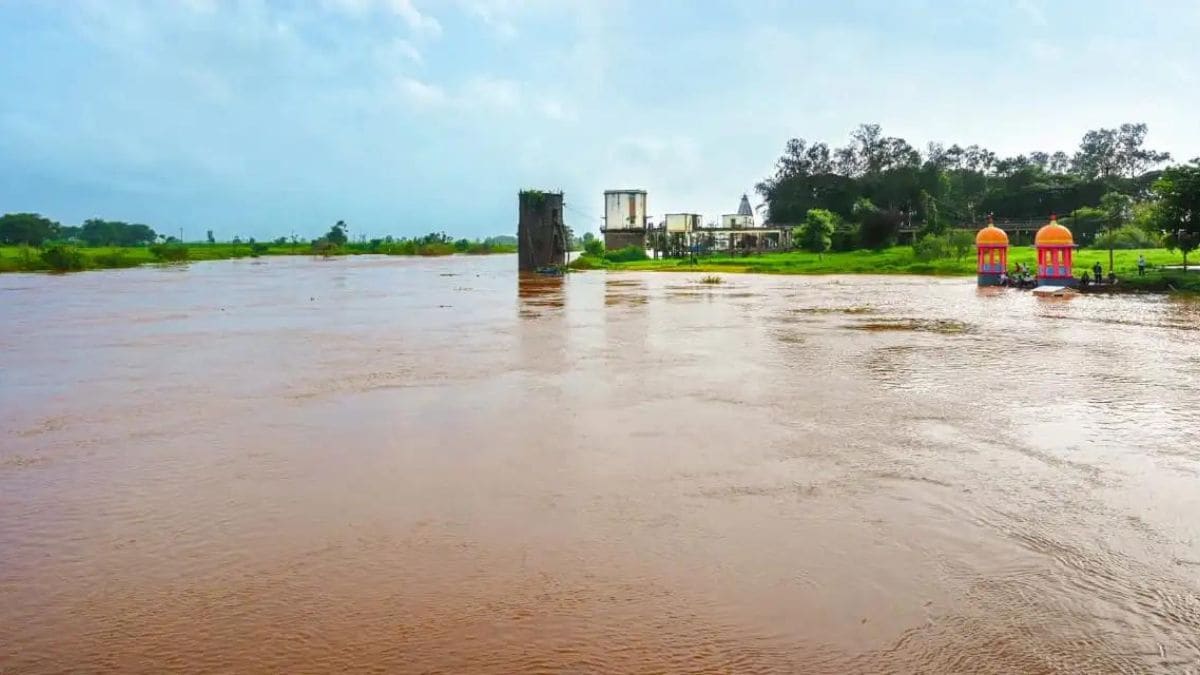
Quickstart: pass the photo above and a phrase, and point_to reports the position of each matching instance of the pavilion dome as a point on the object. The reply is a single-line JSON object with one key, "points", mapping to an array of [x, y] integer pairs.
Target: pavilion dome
{"points": [[991, 236], [1053, 234]]}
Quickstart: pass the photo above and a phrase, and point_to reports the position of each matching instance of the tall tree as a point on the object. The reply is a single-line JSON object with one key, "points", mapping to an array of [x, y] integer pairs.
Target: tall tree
{"points": [[1178, 192], [337, 233], [1132, 157], [1118, 209], [1097, 156]]}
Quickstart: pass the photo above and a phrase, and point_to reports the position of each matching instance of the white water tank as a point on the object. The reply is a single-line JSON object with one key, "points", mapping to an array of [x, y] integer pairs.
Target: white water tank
{"points": [[624, 210]]}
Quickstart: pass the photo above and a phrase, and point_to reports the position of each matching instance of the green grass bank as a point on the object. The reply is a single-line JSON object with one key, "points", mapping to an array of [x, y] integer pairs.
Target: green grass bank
{"points": [[902, 260], [74, 258]]}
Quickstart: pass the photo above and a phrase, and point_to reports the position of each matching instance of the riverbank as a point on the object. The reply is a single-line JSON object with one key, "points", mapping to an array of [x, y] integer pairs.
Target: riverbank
{"points": [[35, 259], [901, 260]]}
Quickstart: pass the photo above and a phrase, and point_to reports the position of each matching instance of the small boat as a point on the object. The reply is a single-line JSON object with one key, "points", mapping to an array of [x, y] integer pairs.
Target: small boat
{"points": [[1055, 291]]}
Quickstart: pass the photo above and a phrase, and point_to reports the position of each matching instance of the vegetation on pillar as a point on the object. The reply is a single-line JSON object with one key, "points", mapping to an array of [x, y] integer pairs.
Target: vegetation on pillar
{"points": [[535, 198]]}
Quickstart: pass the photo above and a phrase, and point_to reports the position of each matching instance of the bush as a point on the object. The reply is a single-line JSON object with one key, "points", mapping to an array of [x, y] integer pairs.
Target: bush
{"points": [[169, 252], [960, 242], [931, 247], [593, 247], [844, 238], [627, 254], [816, 235], [1127, 237], [324, 247], [113, 260], [63, 258]]}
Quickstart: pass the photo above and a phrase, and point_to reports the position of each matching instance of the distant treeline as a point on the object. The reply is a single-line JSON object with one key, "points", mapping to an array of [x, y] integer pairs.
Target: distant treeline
{"points": [[34, 230]]}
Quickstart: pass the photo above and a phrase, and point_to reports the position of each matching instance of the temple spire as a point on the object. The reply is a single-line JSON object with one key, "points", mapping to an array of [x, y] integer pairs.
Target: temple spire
{"points": [[744, 208]]}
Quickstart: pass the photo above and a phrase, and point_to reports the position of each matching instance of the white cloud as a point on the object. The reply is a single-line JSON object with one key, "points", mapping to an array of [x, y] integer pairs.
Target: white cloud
{"points": [[420, 24], [396, 52], [1033, 11], [555, 110], [495, 14], [494, 93], [420, 93]]}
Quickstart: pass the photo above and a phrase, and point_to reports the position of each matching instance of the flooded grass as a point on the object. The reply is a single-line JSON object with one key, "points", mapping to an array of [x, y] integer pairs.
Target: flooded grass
{"points": [[944, 326]]}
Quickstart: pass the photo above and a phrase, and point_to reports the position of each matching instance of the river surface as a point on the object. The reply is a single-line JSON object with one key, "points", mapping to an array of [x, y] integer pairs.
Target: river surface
{"points": [[430, 465]]}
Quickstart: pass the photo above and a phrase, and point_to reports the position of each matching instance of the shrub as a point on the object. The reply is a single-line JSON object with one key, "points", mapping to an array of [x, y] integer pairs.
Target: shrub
{"points": [[816, 235], [63, 258], [844, 238], [960, 242], [627, 254], [593, 247], [169, 252], [324, 247], [114, 259], [931, 247], [1127, 237]]}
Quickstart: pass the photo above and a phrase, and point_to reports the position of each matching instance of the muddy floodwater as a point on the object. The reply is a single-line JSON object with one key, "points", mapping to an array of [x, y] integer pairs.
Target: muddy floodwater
{"points": [[430, 465]]}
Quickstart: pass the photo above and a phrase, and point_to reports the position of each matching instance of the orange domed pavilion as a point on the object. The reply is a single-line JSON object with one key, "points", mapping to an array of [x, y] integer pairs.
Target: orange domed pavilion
{"points": [[991, 251], [1055, 246]]}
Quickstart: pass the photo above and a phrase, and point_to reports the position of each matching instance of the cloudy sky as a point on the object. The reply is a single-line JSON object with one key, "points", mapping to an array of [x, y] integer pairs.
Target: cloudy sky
{"points": [[267, 117]]}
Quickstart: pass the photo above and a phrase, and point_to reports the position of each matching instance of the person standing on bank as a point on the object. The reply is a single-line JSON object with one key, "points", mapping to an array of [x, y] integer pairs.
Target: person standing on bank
{"points": [[1141, 265], [1097, 272]]}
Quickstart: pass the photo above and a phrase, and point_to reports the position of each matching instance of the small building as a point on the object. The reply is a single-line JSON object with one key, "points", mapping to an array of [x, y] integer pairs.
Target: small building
{"points": [[743, 219], [624, 218], [1055, 247], [991, 252], [682, 223]]}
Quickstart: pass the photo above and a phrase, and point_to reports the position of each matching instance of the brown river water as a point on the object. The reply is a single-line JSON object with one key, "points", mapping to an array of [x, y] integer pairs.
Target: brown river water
{"points": [[430, 465]]}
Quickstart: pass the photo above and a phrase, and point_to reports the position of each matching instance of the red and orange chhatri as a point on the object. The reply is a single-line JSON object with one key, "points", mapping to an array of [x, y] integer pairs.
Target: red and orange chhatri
{"points": [[1055, 247], [991, 251]]}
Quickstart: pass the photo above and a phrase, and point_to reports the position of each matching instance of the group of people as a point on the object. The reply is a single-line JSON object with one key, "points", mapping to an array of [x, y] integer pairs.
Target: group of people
{"points": [[1097, 276], [1020, 277]]}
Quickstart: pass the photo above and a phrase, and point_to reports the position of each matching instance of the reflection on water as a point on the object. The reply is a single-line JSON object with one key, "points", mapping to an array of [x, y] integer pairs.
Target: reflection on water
{"points": [[437, 465]]}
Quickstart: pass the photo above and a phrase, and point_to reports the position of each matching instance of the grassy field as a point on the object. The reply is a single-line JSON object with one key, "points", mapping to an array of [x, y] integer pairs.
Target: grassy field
{"points": [[29, 259], [900, 260]]}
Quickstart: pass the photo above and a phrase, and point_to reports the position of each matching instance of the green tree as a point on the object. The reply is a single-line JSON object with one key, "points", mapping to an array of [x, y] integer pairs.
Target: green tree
{"points": [[877, 228], [816, 235], [933, 222], [1118, 209], [931, 247], [99, 232], [26, 228], [1178, 192], [337, 234], [961, 242]]}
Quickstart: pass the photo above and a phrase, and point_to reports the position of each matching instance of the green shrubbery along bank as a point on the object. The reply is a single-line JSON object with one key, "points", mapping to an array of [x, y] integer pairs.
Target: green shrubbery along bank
{"points": [[32, 243]]}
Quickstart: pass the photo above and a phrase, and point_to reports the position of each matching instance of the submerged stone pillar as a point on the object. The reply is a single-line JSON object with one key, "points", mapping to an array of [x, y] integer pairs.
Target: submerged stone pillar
{"points": [[541, 234]]}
